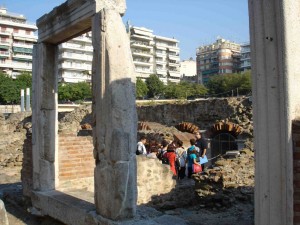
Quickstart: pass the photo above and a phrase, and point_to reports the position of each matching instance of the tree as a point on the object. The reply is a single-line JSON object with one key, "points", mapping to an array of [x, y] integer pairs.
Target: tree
{"points": [[184, 90], [141, 88], [10, 88], [74, 91], [225, 85], [155, 86]]}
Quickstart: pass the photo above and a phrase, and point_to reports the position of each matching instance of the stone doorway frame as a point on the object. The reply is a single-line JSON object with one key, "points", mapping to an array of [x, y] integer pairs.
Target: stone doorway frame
{"points": [[114, 112], [275, 29]]}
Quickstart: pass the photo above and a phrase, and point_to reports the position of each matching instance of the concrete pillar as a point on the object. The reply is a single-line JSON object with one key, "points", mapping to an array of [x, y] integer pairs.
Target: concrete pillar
{"points": [[27, 99], [115, 118], [44, 116], [275, 48], [22, 100]]}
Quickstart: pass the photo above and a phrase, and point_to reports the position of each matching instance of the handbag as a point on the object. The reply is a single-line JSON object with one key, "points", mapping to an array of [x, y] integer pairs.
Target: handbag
{"points": [[203, 160], [197, 168]]}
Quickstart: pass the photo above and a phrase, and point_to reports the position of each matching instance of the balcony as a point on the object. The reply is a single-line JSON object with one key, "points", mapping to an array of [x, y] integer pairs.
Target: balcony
{"points": [[22, 45], [25, 37], [161, 47], [5, 33], [22, 57], [161, 72], [174, 57], [173, 80], [72, 56], [71, 46], [22, 66], [72, 66], [141, 37], [173, 48], [160, 54], [173, 64], [142, 53], [5, 44], [22, 50], [83, 38], [160, 62], [4, 54], [174, 73], [142, 63], [140, 44]]}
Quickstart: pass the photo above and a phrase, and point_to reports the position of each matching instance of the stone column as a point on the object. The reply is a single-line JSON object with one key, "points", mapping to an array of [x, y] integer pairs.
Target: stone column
{"points": [[275, 48], [115, 118], [44, 116]]}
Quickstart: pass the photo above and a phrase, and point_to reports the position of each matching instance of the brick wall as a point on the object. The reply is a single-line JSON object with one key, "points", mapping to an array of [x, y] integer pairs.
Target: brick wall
{"points": [[296, 162], [75, 160]]}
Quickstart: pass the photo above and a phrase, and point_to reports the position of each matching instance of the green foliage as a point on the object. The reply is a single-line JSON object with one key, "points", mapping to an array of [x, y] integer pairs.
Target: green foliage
{"points": [[225, 85], [24, 80], [155, 86], [10, 89], [184, 90], [141, 88], [74, 91]]}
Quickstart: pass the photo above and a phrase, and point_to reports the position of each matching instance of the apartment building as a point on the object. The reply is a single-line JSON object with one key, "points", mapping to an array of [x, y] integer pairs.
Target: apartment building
{"points": [[188, 70], [16, 43], [221, 57], [153, 54], [245, 57], [75, 60]]}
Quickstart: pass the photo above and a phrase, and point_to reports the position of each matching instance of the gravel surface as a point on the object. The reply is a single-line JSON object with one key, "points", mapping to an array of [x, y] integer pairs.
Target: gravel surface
{"points": [[16, 205]]}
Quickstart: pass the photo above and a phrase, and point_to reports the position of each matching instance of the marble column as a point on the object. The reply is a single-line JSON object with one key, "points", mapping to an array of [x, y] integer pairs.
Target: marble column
{"points": [[115, 117], [44, 116], [275, 48]]}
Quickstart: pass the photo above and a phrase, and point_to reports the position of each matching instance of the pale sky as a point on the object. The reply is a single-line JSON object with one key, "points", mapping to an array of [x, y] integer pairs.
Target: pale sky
{"points": [[192, 22]]}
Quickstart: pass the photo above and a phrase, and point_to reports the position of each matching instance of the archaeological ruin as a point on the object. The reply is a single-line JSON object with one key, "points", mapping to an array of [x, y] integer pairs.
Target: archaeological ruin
{"points": [[274, 27]]}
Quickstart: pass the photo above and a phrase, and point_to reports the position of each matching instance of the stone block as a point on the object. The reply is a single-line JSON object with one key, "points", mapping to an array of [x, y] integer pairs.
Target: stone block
{"points": [[3, 214]]}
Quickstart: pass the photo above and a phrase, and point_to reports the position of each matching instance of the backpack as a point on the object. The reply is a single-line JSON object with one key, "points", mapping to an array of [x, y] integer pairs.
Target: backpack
{"points": [[137, 152], [160, 154], [164, 159]]}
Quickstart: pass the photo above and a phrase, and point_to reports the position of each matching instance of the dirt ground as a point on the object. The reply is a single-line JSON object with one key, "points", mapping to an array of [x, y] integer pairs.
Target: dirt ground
{"points": [[17, 207]]}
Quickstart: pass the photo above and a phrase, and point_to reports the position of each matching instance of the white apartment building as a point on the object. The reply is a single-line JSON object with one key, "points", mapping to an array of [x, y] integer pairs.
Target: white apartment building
{"points": [[75, 60], [154, 54], [245, 57], [16, 43], [188, 68]]}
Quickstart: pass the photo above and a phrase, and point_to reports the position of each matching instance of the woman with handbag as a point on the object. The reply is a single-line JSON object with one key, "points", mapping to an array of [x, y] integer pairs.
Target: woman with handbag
{"points": [[193, 165]]}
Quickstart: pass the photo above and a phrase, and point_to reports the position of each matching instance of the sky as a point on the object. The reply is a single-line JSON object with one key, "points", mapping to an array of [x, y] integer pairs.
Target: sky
{"points": [[192, 22]]}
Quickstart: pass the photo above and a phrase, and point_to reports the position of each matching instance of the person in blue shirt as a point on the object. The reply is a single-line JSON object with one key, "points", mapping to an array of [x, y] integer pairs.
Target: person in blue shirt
{"points": [[192, 157]]}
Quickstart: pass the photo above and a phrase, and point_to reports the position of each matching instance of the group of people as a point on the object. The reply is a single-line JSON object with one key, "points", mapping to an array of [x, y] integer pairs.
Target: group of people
{"points": [[174, 154]]}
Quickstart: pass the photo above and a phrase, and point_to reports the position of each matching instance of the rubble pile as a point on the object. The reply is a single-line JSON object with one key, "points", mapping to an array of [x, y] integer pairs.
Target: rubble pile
{"points": [[230, 180], [13, 132]]}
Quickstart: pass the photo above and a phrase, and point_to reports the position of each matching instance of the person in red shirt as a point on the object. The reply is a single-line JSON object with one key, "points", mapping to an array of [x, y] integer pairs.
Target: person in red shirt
{"points": [[171, 156]]}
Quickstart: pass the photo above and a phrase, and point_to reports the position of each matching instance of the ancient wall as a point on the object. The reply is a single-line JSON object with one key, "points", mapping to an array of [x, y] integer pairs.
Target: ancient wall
{"points": [[75, 160], [203, 113], [153, 179], [13, 132]]}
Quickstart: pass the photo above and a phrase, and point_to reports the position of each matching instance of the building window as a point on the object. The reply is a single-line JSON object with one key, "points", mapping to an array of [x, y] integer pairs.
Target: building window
{"points": [[16, 30], [27, 32]]}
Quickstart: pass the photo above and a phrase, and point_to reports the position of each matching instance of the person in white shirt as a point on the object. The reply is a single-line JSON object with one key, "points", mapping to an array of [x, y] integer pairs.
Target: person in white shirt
{"points": [[141, 149], [181, 156]]}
